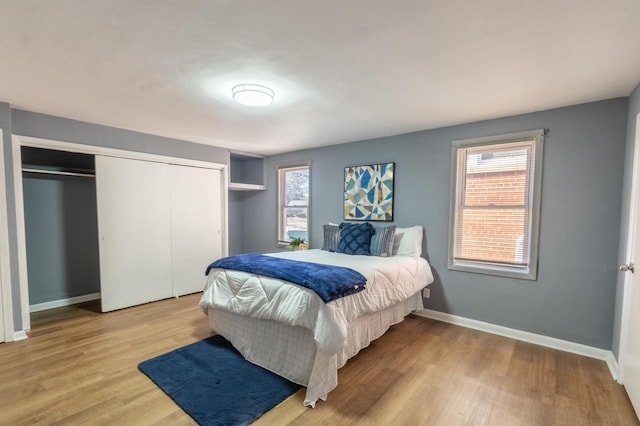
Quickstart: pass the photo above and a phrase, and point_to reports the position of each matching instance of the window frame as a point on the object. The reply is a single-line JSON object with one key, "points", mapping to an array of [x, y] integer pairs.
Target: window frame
{"points": [[530, 272], [280, 170]]}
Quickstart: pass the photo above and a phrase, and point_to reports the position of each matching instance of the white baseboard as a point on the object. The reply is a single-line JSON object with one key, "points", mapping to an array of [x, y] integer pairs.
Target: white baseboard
{"points": [[63, 302], [525, 336], [612, 363], [19, 335]]}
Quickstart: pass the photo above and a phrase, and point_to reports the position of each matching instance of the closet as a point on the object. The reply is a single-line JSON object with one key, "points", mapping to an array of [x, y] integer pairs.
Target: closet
{"points": [[159, 227], [128, 230], [61, 227]]}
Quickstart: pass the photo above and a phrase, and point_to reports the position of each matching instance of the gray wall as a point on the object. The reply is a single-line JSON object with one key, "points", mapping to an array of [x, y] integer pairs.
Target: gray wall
{"points": [[27, 123], [247, 171], [634, 110], [573, 297], [235, 221], [61, 227]]}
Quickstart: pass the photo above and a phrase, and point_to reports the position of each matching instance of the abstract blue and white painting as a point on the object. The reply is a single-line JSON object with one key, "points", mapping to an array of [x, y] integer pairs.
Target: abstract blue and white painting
{"points": [[368, 192]]}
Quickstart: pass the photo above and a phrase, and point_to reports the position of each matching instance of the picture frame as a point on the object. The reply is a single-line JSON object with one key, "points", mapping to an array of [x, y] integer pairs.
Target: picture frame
{"points": [[369, 192]]}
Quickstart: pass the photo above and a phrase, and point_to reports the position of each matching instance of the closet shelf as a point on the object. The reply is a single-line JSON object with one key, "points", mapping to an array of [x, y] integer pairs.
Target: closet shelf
{"points": [[57, 172]]}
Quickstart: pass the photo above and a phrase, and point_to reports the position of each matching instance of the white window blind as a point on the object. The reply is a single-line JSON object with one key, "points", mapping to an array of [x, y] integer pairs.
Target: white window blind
{"points": [[495, 205]]}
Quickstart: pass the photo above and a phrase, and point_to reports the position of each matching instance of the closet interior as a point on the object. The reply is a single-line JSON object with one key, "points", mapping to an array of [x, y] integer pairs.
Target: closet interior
{"points": [[61, 227]]}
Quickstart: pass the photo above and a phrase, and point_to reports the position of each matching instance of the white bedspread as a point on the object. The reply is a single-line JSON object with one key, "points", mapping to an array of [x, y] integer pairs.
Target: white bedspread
{"points": [[389, 280]]}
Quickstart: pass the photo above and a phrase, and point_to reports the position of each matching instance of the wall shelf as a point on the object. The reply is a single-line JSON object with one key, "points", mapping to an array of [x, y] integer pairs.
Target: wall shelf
{"points": [[236, 186], [246, 172]]}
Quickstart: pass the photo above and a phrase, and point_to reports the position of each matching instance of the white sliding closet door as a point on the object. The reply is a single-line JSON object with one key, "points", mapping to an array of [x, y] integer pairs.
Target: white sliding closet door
{"points": [[196, 225], [135, 231]]}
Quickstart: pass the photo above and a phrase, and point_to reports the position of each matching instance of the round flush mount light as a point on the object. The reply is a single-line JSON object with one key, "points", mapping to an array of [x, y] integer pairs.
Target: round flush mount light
{"points": [[253, 94]]}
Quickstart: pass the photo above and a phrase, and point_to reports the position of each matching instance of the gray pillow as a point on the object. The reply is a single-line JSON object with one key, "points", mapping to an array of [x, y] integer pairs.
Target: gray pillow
{"points": [[382, 241], [331, 237]]}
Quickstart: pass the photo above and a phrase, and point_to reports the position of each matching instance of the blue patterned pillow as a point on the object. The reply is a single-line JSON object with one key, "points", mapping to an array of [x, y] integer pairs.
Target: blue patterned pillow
{"points": [[382, 240], [355, 238], [331, 237]]}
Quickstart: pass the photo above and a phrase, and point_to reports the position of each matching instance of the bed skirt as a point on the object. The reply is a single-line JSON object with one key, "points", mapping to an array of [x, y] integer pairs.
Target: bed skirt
{"points": [[291, 351]]}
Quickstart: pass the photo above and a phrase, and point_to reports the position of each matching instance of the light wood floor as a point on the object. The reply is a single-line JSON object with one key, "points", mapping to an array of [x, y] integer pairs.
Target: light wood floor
{"points": [[80, 367]]}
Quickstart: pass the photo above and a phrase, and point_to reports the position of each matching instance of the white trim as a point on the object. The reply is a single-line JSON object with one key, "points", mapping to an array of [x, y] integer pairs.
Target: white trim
{"points": [[19, 141], [525, 336], [5, 263], [20, 231], [20, 335], [614, 369], [63, 302], [111, 152], [630, 249]]}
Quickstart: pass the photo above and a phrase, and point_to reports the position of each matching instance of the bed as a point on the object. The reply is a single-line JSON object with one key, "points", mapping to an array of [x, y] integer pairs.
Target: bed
{"points": [[289, 330]]}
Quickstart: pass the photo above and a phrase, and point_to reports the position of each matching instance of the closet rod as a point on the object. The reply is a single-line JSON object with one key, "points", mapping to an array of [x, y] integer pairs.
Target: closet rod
{"points": [[55, 172]]}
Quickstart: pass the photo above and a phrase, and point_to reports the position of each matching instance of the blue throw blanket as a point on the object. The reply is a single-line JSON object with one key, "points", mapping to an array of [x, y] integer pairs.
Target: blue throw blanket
{"points": [[328, 281]]}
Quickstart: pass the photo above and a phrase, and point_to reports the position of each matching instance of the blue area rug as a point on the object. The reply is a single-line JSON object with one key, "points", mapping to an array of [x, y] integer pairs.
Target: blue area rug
{"points": [[215, 385]]}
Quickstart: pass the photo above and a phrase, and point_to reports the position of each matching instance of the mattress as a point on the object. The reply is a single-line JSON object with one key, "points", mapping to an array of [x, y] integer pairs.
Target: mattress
{"points": [[389, 281]]}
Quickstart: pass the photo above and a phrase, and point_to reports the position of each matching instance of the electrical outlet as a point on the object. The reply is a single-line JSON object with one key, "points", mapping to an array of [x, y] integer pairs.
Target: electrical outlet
{"points": [[426, 293]]}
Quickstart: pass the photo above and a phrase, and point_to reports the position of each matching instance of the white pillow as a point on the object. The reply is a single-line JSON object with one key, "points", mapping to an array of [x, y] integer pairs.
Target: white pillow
{"points": [[408, 241]]}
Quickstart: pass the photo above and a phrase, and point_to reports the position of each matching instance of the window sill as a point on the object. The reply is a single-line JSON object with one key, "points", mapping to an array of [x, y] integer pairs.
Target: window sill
{"points": [[285, 246], [517, 273]]}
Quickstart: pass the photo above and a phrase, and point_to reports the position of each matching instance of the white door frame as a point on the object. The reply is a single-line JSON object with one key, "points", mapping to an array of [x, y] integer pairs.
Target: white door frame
{"points": [[20, 141], [6, 322], [634, 211]]}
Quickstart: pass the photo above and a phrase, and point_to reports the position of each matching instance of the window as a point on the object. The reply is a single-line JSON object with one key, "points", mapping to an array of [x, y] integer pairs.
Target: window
{"points": [[293, 203], [495, 204]]}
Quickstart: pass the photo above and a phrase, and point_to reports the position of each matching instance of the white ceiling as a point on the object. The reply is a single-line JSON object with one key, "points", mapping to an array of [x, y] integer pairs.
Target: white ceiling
{"points": [[342, 70]]}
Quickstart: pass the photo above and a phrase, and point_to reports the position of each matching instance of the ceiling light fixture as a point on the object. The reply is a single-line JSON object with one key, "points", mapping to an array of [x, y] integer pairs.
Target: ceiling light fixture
{"points": [[253, 94]]}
